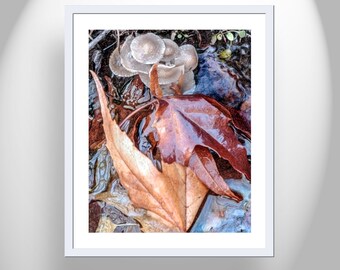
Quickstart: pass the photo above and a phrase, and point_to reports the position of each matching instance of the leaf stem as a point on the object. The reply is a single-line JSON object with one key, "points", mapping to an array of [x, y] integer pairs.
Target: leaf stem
{"points": [[137, 110]]}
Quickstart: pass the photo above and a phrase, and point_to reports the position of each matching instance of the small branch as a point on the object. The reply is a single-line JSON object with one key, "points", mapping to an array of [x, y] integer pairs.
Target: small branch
{"points": [[90, 37], [118, 41], [108, 47], [199, 37], [136, 111], [94, 42], [127, 224]]}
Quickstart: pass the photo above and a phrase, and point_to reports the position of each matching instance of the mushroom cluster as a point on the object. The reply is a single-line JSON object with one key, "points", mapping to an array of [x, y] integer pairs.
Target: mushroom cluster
{"points": [[174, 64]]}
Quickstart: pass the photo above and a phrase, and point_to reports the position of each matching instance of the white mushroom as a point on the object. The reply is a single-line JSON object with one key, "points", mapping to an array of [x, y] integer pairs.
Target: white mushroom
{"points": [[129, 62], [147, 48], [137, 56], [116, 65], [171, 50], [189, 81], [166, 75], [169, 74], [145, 79], [188, 57]]}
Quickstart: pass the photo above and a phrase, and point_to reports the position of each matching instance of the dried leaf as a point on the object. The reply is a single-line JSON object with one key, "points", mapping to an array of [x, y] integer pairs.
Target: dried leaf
{"points": [[162, 193], [119, 199], [94, 216], [184, 122], [203, 164], [185, 129], [225, 169]]}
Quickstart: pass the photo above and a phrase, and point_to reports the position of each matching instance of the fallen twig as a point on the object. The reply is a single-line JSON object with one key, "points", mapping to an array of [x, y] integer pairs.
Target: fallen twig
{"points": [[94, 42]]}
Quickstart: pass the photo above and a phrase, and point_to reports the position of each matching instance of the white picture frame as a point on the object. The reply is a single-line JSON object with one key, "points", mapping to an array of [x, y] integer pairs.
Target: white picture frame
{"points": [[78, 20]]}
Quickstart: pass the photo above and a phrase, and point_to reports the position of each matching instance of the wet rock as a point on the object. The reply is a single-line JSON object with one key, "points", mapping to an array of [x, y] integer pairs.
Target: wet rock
{"points": [[105, 225], [221, 214], [100, 170], [92, 169], [122, 222], [220, 81]]}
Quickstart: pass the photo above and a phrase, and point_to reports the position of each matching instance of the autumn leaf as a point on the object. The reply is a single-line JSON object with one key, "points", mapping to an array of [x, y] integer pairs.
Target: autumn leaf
{"points": [[96, 132], [184, 129], [203, 164], [184, 122], [187, 128], [162, 152], [173, 195], [166, 138]]}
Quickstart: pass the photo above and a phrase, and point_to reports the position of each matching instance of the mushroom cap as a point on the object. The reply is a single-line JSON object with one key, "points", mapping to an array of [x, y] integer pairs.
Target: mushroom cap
{"points": [[169, 74], [188, 57], [147, 48], [116, 65], [171, 50], [129, 62], [145, 79], [189, 81]]}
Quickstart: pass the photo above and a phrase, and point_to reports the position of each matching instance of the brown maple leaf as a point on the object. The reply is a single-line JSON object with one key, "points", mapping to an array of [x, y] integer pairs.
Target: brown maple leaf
{"points": [[184, 129], [184, 122]]}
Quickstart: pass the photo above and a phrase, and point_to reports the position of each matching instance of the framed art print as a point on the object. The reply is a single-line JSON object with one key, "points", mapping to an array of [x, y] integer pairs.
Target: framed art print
{"points": [[169, 131]]}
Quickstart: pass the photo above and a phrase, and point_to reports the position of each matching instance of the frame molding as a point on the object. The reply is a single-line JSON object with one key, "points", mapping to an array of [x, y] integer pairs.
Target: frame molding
{"points": [[70, 12]]}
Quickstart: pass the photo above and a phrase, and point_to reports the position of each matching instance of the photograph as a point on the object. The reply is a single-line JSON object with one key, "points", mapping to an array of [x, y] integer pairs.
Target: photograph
{"points": [[169, 130], [206, 132]]}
